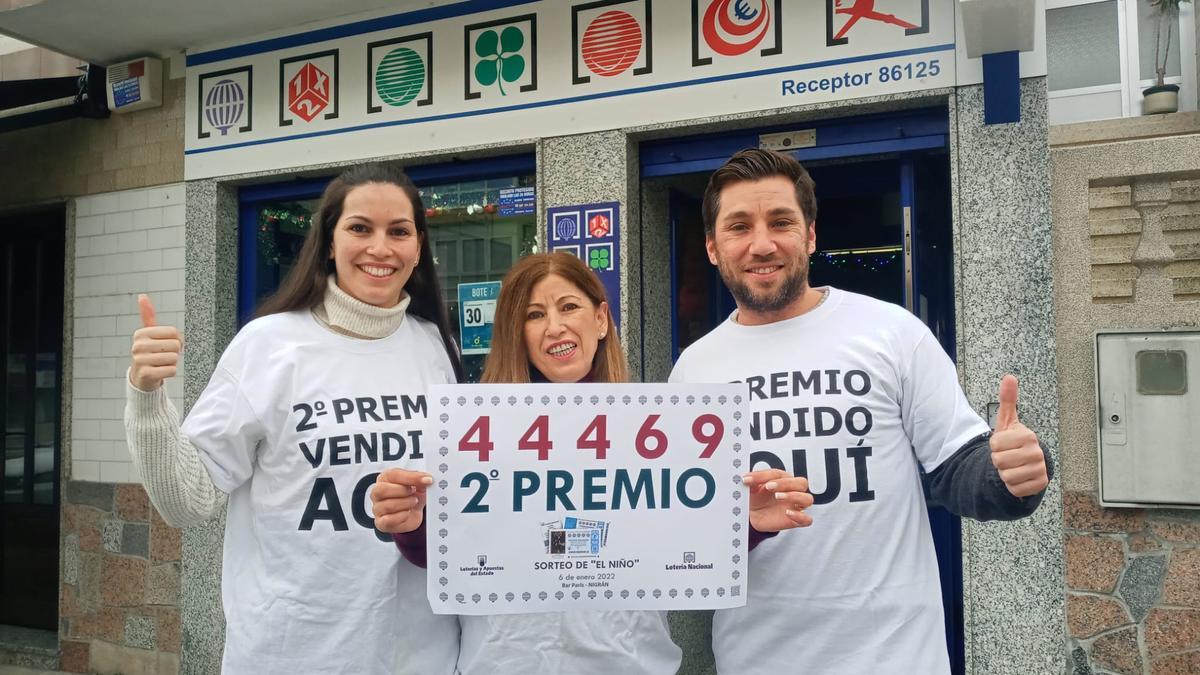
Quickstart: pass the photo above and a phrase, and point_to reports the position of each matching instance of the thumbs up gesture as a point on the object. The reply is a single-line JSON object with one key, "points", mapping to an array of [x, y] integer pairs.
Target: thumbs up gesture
{"points": [[1016, 453], [155, 349]]}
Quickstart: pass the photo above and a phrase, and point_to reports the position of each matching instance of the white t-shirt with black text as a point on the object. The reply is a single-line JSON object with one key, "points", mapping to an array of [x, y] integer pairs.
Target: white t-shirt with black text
{"points": [[569, 643], [856, 394], [295, 424]]}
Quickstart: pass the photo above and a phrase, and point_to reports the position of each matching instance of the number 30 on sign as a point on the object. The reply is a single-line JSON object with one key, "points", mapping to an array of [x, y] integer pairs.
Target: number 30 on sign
{"points": [[589, 496]]}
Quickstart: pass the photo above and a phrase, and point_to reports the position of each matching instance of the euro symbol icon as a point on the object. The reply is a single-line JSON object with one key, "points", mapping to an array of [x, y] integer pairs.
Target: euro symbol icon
{"points": [[743, 11]]}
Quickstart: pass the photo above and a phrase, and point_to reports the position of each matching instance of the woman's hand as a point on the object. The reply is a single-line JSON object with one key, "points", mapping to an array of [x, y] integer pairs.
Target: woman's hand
{"points": [[155, 352], [777, 500], [398, 500]]}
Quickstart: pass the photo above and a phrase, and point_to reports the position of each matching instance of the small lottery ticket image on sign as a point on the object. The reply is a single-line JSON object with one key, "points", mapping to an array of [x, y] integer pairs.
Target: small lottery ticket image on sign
{"points": [[594, 496], [573, 536]]}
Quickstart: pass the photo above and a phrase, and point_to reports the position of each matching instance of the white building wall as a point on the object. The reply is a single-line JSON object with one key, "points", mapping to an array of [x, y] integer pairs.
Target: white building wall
{"points": [[127, 242]]}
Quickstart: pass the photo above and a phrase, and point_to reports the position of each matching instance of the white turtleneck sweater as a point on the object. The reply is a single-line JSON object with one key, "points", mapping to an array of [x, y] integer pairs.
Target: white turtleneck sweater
{"points": [[300, 415], [177, 482]]}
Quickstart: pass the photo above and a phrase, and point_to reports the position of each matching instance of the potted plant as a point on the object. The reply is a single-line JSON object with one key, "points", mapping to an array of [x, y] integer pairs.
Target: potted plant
{"points": [[1162, 97]]}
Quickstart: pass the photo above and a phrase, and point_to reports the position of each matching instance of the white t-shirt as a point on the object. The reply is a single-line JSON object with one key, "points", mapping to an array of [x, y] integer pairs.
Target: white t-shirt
{"points": [[294, 425], [855, 394], [568, 643]]}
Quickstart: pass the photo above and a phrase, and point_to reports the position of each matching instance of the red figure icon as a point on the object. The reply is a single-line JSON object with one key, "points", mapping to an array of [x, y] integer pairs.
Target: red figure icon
{"points": [[865, 9]]}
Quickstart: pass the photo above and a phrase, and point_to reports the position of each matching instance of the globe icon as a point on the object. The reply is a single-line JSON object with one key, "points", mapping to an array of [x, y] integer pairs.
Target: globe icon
{"points": [[224, 105], [400, 76]]}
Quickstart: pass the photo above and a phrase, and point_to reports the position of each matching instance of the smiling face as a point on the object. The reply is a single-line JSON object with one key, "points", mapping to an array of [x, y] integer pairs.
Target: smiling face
{"points": [[562, 329], [760, 245], [375, 244]]}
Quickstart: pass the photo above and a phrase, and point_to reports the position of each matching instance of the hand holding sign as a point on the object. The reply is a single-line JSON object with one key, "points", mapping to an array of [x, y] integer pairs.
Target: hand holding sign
{"points": [[1015, 449], [398, 500], [778, 500], [155, 352]]}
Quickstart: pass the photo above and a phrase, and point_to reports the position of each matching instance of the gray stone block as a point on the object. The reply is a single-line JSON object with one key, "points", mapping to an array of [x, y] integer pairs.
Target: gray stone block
{"points": [[111, 534], [96, 495], [162, 585], [1142, 584], [1079, 662], [71, 559], [135, 539], [140, 632]]}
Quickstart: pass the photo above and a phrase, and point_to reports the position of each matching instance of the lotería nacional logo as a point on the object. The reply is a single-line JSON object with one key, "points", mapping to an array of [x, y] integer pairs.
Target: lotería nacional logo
{"points": [[400, 72], [566, 229], [689, 563], [224, 105], [610, 38], [731, 28], [308, 88], [843, 16], [225, 102]]}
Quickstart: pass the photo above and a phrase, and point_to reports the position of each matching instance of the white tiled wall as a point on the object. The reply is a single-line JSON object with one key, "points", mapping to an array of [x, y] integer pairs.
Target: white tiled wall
{"points": [[126, 243]]}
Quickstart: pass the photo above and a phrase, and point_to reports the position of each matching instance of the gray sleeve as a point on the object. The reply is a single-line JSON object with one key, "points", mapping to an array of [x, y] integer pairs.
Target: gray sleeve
{"points": [[969, 485], [176, 480]]}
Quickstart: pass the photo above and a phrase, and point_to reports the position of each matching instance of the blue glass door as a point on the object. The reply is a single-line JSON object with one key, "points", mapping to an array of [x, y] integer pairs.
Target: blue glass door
{"points": [[883, 229]]}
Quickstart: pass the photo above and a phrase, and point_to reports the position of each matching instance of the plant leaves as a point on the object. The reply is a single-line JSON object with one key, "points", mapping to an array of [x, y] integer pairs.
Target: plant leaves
{"points": [[512, 39], [486, 44], [486, 71], [512, 67]]}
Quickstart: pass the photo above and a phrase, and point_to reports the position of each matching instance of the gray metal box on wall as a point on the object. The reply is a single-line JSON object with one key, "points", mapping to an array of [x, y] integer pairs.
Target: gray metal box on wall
{"points": [[1148, 418]]}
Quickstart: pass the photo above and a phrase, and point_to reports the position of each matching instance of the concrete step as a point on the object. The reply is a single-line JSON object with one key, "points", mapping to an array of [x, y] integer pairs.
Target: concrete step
{"points": [[28, 648]]}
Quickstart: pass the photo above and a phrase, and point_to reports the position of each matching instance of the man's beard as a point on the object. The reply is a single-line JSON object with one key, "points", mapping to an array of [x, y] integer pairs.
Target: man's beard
{"points": [[792, 288]]}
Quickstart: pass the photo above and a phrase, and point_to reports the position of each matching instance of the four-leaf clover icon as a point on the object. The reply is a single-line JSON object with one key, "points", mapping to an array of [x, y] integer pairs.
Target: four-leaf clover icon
{"points": [[598, 258], [500, 61]]}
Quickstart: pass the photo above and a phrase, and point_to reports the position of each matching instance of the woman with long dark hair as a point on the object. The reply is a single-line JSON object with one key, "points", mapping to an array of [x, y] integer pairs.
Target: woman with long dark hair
{"points": [[305, 407]]}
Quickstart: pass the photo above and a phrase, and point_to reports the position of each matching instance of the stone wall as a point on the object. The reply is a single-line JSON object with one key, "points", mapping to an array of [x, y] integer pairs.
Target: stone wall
{"points": [[1133, 588], [1127, 256], [119, 603]]}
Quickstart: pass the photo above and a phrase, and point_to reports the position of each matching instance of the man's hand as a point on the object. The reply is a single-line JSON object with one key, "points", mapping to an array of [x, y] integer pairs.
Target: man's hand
{"points": [[398, 500], [777, 500], [155, 351], [1015, 450]]}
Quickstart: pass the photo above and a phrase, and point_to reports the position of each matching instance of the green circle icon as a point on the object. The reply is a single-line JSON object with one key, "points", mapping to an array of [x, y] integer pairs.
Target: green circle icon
{"points": [[400, 76]]}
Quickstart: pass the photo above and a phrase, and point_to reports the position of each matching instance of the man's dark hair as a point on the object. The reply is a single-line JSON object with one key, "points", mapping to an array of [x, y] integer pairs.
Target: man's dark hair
{"points": [[754, 164]]}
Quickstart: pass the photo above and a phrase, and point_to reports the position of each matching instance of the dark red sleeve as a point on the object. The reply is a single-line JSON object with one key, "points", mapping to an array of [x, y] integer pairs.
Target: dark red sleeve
{"points": [[412, 544], [756, 538]]}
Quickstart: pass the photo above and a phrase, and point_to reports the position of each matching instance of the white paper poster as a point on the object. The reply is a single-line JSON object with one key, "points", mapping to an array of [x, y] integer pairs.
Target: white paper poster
{"points": [[587, 496]]}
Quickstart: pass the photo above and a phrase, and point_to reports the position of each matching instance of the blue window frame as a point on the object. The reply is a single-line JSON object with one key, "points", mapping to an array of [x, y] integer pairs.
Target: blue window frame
{"points": [[252, 199]]}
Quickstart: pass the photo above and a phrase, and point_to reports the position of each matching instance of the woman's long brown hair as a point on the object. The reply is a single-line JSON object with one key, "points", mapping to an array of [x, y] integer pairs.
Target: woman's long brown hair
{"points": [[509, 358], [304, 287]]}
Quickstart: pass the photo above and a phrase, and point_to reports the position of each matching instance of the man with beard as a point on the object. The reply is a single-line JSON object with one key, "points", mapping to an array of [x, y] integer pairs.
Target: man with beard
{"points": [[857, 395]]}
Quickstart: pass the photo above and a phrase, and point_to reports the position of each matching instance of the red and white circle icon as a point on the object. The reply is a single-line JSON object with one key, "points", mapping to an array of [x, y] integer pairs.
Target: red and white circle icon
{"points": [[733, 27], [308, 92], [611, 43]]}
